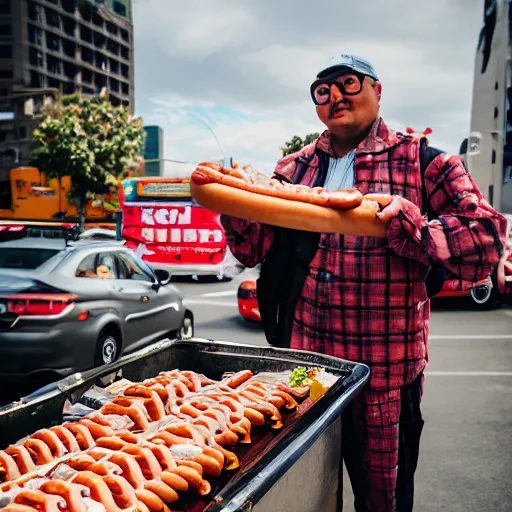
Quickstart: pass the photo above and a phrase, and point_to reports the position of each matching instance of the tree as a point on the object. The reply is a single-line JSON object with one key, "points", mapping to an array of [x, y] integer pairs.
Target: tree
{"points": [[90, 140], [296, 143]]}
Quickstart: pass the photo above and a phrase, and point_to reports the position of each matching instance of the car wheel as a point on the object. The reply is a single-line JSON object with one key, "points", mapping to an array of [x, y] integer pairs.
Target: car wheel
{"points": [[186, 331], [107, 349], [484, 297]]}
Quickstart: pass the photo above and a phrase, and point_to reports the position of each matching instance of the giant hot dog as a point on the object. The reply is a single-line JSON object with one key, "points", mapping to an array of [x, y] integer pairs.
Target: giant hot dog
{"points": [[248, 194]]}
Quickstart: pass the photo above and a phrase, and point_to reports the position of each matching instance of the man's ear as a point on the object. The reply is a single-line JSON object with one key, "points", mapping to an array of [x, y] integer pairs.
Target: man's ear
{"points": [[378, 90]]}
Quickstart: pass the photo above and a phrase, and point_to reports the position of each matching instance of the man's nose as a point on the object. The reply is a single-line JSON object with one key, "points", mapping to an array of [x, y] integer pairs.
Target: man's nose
{"points": [[336, 94]]}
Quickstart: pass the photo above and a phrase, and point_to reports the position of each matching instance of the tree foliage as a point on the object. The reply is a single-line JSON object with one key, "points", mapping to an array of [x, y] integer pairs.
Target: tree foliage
{"points": [[296, 143], [88, 139]]}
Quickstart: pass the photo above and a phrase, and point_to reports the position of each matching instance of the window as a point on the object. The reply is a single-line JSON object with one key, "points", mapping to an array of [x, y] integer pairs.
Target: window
{"points": [[25, 258], [52, 42], [131, 268], [106, 268], [120, 8], [5, 74], [52, 18], [5, 30], [35, 12], [87, 267], [97, 266], [35, 35], [5, 6], [6, 51], [36, 57]]}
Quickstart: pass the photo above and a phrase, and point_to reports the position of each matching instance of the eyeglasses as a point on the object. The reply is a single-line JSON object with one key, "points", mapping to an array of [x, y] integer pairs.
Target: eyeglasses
{"points": [[348, 85]]}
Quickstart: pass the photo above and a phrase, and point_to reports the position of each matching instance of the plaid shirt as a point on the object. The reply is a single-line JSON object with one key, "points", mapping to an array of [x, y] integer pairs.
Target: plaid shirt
{"points": [[365, 298]]}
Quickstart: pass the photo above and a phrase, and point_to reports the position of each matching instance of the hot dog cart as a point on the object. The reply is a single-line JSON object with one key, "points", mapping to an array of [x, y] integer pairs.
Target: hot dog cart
{"points": [[295, 468]]}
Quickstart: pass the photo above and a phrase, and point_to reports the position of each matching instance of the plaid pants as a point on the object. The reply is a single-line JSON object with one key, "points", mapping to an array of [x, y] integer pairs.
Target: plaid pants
{"points": [[380, 442]]}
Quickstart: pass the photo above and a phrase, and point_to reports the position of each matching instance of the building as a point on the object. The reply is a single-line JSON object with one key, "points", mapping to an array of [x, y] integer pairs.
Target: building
{"points": [[64, 45], [488, 150], [153, 156]]}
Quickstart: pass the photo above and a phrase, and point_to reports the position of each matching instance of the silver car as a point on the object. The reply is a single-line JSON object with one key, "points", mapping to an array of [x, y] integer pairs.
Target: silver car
{"points": [[66, 308]]}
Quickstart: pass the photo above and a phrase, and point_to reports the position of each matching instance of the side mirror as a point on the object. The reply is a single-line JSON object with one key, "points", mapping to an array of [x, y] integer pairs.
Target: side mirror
{"points": [[163, 276]]}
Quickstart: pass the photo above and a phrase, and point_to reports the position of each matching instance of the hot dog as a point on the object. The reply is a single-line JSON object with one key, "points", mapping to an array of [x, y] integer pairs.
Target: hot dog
{"points": [[288, 206]]}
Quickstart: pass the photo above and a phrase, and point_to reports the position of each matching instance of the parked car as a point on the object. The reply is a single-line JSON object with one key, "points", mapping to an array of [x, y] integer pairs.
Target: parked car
{"points": [[67, 308], [248, 302]]}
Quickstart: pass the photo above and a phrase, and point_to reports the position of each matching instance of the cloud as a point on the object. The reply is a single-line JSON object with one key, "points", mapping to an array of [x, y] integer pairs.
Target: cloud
{"points": [[243, 69]]}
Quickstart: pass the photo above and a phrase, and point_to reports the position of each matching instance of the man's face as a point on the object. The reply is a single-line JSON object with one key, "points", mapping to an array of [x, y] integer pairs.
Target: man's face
{"points": [[351, 102]]}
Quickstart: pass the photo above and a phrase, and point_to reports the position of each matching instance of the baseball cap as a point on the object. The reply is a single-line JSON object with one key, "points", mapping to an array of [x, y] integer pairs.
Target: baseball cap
{"points": [[348, 62]]}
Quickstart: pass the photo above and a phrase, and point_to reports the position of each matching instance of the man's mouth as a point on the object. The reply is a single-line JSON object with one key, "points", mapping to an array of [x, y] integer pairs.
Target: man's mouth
{"points": [[337, 109]]}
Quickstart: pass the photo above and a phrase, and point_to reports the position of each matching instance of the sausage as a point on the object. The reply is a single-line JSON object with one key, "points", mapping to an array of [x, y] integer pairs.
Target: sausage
{"points": [[290, 402], [194, 479], [81, 462], [141, 507], [39, 451], [235, 380], [255, 417], [99, 489], [9, 469], [176, 482], [186, 431], [194, 379], [71, 493], [138, 418], [131, 471], [22, 457], [96, 429], [66, 438], [145, 459], [263, 184], [162, 490], [346, 213], [50, 438], [82, 435], [150, 500], [40, 500], [122, 492], [16, 507], [191, 464], [210, 465], [163, 455], [111, 443], [155, 407]]}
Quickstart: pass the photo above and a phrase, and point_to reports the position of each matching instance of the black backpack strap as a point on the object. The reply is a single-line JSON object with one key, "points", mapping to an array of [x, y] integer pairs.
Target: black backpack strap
{"points": [[427, 156], [436, 274]]}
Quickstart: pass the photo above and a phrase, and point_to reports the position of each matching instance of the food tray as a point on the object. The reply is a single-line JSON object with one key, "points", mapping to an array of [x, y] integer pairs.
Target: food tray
{"points": [[268, 460]]}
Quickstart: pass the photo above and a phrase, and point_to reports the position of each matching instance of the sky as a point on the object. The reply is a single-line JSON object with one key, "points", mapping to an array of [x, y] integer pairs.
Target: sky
{"points": [[232, 76]]}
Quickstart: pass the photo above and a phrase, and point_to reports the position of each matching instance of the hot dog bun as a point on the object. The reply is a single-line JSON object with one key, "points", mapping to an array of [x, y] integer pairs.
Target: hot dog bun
{"points": [[360, 221]]}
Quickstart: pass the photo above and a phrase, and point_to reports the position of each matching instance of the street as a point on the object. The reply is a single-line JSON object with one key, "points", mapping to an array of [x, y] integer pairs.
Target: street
{"points": [[466, 449]]}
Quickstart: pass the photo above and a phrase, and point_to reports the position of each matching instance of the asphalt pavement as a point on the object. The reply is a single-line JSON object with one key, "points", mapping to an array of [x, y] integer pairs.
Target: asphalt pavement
{"points": [[466, 449]]}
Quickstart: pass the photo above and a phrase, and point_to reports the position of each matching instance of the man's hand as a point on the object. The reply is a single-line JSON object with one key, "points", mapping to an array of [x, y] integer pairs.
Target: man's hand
{"points": [[392, 206]]}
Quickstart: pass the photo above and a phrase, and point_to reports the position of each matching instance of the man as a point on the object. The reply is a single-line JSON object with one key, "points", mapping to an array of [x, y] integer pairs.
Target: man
{"points": [[363, 298]]}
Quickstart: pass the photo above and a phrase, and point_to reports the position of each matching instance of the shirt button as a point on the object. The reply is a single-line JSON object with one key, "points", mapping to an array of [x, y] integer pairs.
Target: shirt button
{"points": [[324, 277]]}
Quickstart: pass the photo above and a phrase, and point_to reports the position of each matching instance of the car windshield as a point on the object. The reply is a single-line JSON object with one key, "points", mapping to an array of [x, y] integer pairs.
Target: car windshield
{"points": [[24, 258]]}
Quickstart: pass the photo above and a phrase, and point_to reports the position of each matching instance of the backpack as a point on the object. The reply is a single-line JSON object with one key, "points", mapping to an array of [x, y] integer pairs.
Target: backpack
{"points": [[286, 266]]}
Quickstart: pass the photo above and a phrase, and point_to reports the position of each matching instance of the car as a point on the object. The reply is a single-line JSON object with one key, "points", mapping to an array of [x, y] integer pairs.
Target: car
{"points": [[248, 302], [67, 307]]}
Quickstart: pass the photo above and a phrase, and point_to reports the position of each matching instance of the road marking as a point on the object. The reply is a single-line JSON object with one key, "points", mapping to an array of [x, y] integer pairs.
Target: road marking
{"points": [[468, 374], [227, 293], [199, 302], [470, 337]]}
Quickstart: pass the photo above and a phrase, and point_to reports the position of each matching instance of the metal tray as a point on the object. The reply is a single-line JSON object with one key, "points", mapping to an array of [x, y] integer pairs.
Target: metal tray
{"points": [[266, 466]]}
